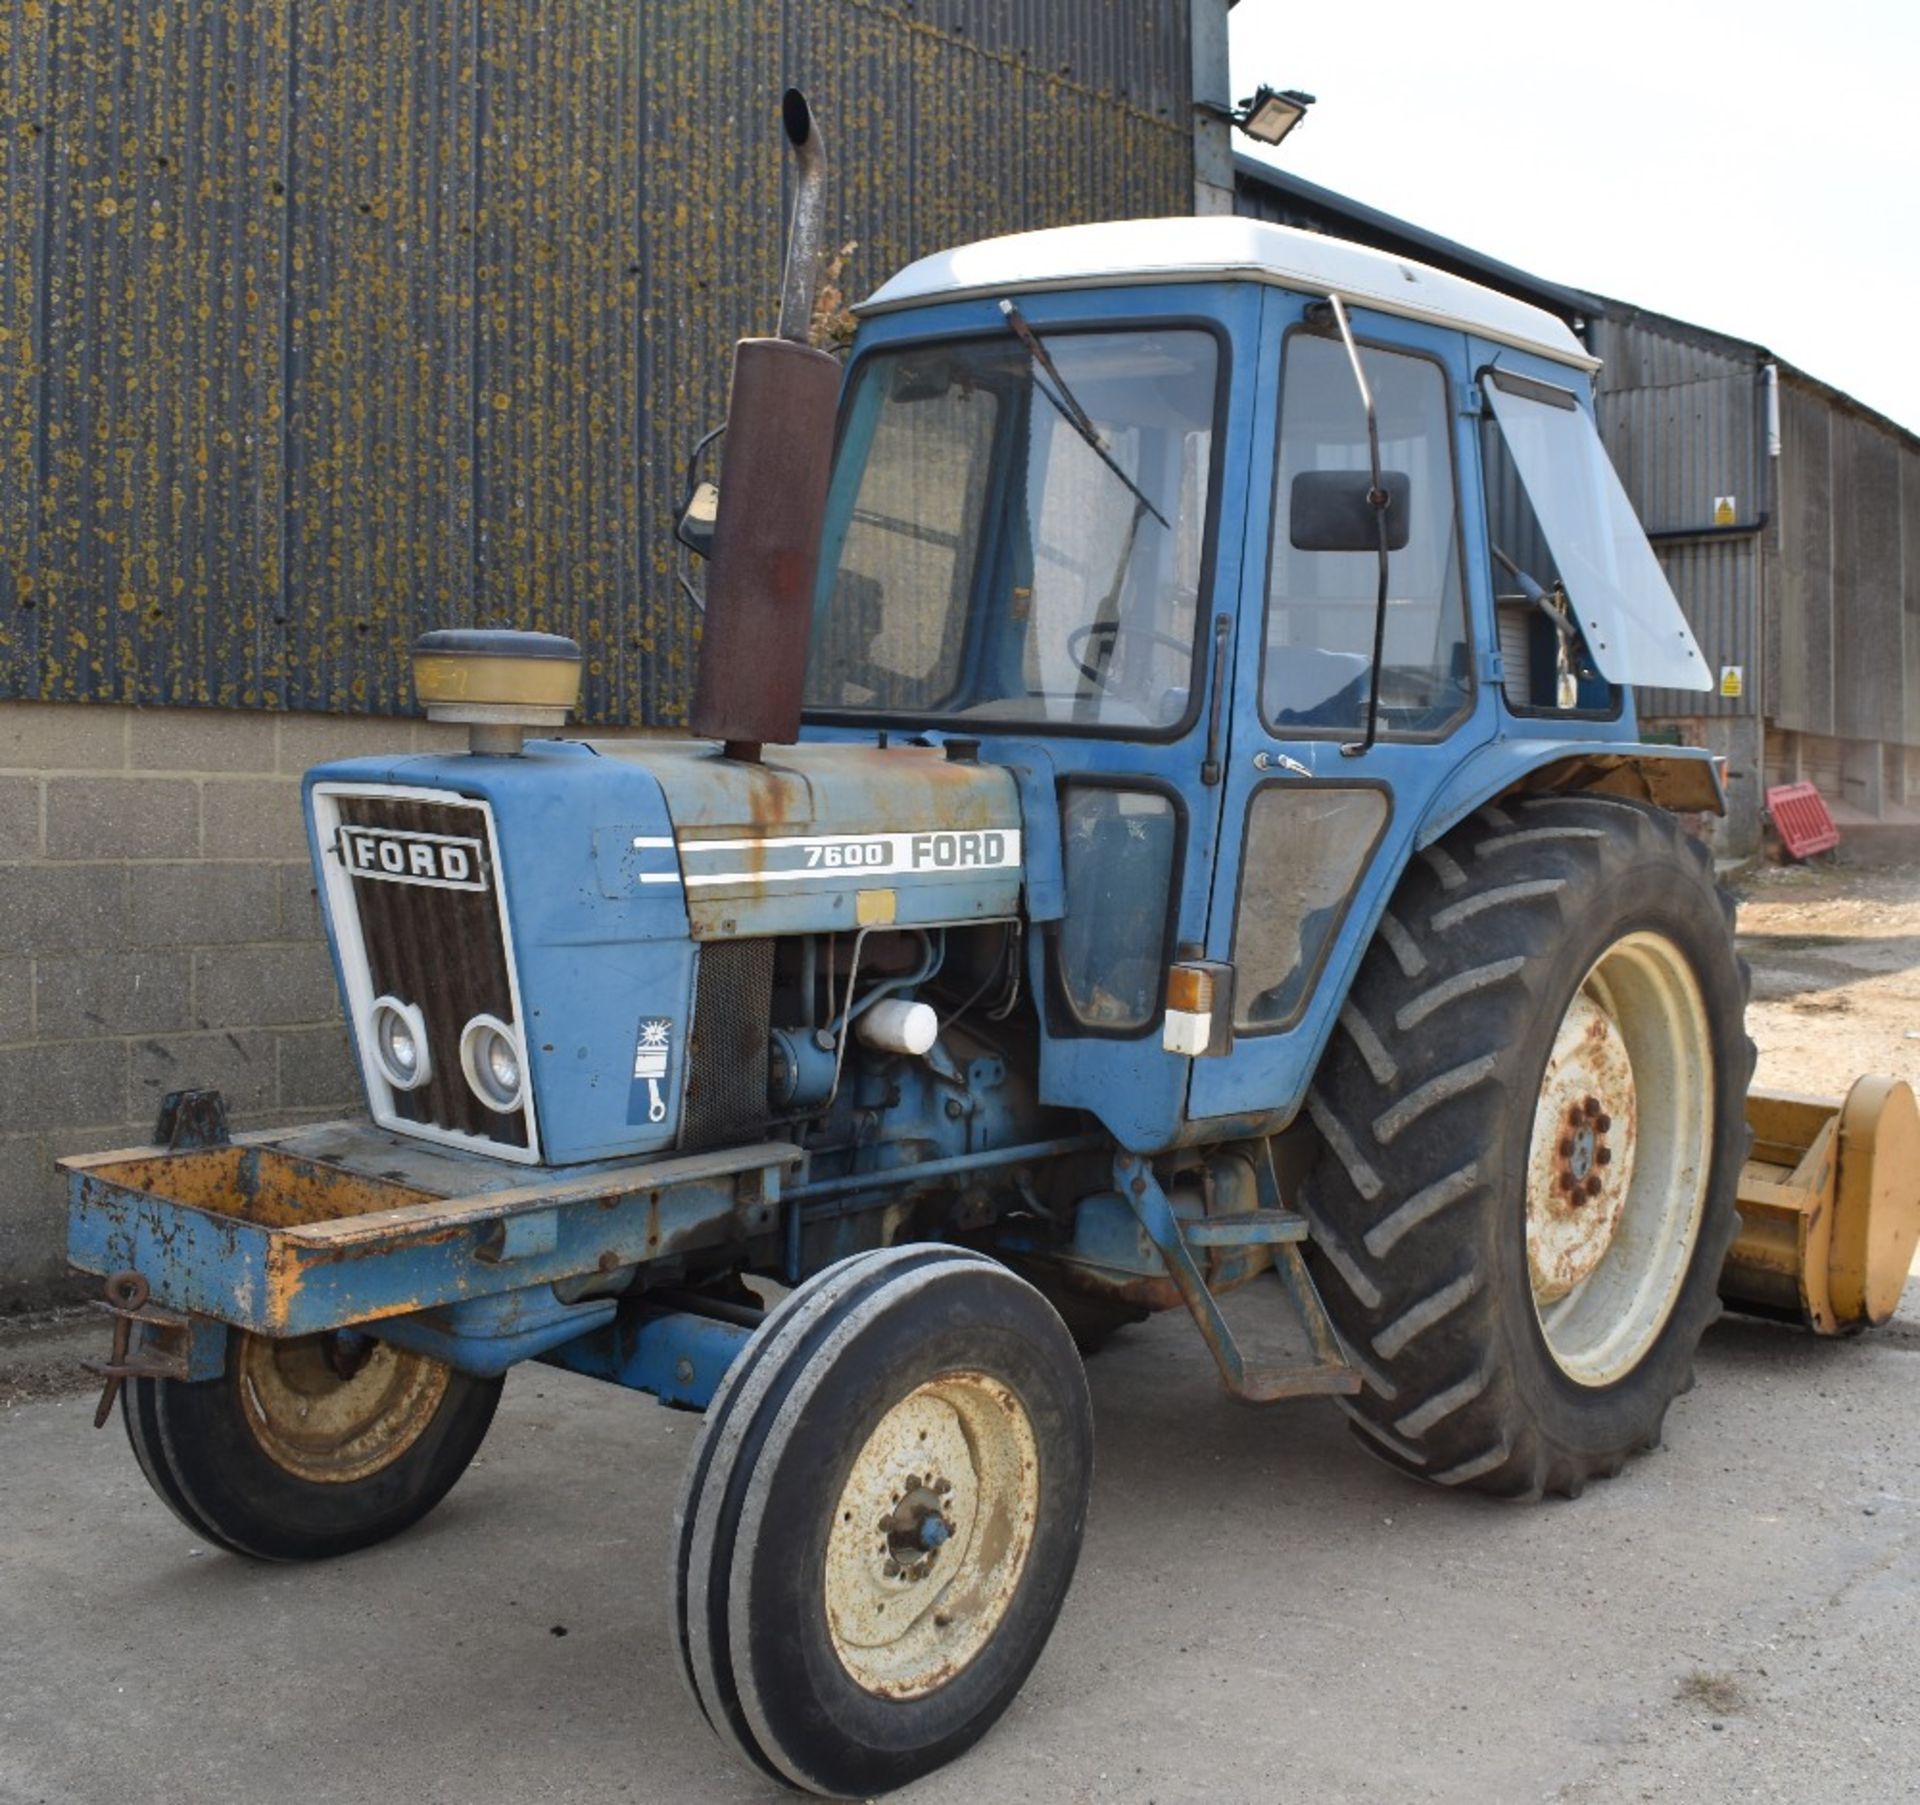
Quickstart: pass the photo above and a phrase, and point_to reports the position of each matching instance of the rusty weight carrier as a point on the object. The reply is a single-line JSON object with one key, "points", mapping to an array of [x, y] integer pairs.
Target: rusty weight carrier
{"points": [[773, 489]]}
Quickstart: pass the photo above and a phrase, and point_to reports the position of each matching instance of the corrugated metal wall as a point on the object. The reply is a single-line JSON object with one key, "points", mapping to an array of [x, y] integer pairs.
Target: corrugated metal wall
{"points": [[1844, 598], [1683, 417], [325, 321]]}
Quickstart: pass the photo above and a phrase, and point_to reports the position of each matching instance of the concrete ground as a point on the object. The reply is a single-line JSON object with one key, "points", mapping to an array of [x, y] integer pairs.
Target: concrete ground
{"points": [[1262, 1613]]}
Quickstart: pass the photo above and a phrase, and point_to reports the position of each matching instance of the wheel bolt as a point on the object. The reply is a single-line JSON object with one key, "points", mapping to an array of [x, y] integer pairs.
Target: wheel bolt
{"points": [[1602, 1156], [1566, 1147], [1576, 1115], [1603, 1122], [1593, 1185]]}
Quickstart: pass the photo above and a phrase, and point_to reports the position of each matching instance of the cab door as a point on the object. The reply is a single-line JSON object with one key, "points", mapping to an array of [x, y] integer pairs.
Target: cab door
{"points": [[1317, 823]]}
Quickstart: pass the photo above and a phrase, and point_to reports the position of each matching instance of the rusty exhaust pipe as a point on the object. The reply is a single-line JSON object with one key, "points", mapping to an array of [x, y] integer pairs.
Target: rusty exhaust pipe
{"points": [[773, 493], [807, 233]]}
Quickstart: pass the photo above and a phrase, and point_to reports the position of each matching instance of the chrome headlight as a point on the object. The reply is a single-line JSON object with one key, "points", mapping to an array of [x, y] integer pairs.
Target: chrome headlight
{"points": [[400, 1043], [490, 1057]]}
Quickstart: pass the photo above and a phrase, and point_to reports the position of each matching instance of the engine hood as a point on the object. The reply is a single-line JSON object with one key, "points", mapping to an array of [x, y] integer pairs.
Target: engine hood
{"points": [[821, 838]]}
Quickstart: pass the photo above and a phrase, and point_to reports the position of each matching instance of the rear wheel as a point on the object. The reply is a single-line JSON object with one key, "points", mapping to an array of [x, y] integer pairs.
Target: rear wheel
{"points": [[309, 1447], [881, 1519], [1533, 1118]]}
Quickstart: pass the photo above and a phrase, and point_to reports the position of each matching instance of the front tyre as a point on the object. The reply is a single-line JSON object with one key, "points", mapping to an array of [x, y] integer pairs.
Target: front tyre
{"points": [[1533, 1122], [309, 1447], [881, 1519]]}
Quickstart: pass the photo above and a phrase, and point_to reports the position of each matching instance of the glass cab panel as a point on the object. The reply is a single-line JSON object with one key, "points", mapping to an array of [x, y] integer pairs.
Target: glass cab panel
{"points": [[998, 566], [1321, 605], [1306, 847], [1118, 847]]}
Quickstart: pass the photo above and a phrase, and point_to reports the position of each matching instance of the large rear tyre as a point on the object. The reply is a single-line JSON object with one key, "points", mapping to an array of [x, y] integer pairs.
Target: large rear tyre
{"points": [[1533, 1117], [307, 1448], [881, 1519]]}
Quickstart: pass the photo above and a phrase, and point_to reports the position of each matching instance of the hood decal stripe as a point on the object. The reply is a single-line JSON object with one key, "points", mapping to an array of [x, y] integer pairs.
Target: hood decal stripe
{"points": [[937, 852]]}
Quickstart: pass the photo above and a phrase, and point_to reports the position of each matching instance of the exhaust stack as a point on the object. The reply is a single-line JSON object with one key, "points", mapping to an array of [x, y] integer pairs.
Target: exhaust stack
{"points": [[773, 492], [807, 231]]}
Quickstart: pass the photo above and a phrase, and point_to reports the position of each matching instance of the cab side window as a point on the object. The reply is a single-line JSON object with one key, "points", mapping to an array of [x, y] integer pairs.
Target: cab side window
{"points": [[1119, 847], [1321, 604]]}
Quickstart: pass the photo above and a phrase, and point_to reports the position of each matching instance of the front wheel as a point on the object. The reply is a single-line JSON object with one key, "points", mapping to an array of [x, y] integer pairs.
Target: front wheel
{"points": [[1533, 1122], [309, 1447], [881, 1519]]}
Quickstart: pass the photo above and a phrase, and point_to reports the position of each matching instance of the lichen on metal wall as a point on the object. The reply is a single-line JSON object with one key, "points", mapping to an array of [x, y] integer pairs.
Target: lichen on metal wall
{"points": [[323, 322]]}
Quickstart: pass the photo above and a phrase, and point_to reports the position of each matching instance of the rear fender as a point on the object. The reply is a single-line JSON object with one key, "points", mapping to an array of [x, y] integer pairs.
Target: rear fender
{"points": [[1681, 779]]}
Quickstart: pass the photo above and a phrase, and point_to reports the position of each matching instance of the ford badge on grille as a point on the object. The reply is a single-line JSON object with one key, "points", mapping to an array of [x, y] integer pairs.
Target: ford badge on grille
{"points": [[446, 861]]}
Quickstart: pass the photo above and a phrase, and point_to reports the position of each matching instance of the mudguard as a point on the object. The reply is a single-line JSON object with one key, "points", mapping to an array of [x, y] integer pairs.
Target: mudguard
{"points": [[1677, 778]]}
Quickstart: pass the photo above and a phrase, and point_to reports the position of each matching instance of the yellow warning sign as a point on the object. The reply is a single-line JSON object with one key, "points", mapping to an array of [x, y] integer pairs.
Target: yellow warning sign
{"points": [[1733, 679], [1724, 513]]}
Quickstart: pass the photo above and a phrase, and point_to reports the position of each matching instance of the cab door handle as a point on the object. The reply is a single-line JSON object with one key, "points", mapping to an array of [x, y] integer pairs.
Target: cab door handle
{"points": [[1216, 713]]}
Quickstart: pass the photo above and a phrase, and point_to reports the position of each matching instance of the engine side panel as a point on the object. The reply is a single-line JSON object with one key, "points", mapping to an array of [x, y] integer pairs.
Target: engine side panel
{"points": [[826, 839]]}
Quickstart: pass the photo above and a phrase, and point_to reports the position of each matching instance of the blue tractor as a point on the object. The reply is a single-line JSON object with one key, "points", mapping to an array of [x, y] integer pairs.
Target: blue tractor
{"points": [[1164, 815]]}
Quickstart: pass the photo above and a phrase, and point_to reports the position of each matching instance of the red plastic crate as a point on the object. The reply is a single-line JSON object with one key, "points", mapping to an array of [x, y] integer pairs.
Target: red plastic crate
{"points": [[1801, 819]]}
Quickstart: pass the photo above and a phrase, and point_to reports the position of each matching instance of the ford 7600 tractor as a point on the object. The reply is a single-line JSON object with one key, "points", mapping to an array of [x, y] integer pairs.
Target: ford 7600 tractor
{"points": [[1163, 815]]}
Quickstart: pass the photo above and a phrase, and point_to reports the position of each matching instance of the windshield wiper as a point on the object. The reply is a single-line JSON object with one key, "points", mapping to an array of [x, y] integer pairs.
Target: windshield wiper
{"points": [[1070, 410]]}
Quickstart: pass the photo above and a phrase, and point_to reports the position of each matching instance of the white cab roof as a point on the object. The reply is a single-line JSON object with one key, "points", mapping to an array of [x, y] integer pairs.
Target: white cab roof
{"points": [[1210, 249]]}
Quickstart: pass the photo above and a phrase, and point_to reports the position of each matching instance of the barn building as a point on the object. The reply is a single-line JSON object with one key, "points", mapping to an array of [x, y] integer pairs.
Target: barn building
{"points": [[1786, 515], [325, 324], [321, 325]]}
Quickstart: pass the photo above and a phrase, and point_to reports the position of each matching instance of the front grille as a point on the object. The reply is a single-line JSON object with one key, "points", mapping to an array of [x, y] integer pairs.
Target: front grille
{"points": [[727, 1050], [429, 942]]}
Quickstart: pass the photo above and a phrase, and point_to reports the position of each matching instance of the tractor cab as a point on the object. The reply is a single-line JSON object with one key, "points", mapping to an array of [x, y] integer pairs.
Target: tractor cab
{"points": [[1260, 559]]}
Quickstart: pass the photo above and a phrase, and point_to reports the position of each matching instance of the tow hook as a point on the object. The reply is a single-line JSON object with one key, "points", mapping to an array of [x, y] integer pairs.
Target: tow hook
{"points": [[127, 1294]]}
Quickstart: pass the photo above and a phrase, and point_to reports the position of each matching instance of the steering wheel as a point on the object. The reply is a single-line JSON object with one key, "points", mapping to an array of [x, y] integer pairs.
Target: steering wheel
{"points": [[1099, 675]]}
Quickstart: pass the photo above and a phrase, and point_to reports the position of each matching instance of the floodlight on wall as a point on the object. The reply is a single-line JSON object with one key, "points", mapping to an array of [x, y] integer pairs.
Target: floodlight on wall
{"points": [[1271, 113]]}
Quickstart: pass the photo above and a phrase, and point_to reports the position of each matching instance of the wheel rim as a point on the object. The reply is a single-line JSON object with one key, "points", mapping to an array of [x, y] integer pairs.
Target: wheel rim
{"points": [[931, 1534], [332, 1411], [1618, 1163]]}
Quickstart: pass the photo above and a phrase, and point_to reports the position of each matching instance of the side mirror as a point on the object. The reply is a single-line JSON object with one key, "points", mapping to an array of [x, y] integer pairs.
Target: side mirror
{"points": [[694, 528], [699, 501], [1330, 511]]}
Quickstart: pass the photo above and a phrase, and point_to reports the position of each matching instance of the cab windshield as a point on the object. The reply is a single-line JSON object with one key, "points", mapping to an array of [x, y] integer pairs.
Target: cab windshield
{"points": [[984, 562]]}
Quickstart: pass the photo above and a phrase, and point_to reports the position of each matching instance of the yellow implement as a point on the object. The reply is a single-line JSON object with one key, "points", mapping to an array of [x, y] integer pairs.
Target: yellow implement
{"points": [[1829, 1207]]}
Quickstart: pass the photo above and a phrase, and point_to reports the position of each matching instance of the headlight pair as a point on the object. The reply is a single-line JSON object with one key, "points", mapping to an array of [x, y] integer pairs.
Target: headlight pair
{"points": [[489, 1054]]}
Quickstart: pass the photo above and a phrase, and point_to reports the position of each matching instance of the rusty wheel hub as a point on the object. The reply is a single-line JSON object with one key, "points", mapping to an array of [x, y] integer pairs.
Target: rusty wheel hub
{"points": [[1581, 1164], [1618, 1162], [334, 1409], [931, 1534]]}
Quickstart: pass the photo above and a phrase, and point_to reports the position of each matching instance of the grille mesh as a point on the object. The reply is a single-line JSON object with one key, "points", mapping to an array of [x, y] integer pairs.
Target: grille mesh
{"points": [[727, 1050], [441, 949]]}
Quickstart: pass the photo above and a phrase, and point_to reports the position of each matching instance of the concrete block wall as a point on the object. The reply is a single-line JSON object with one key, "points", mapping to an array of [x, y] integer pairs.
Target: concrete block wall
{"points": [[158, 931]]}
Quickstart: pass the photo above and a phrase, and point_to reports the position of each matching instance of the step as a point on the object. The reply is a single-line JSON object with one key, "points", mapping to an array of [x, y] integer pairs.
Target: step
{"points": [[1269, 1384], [1245, 1228]]}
